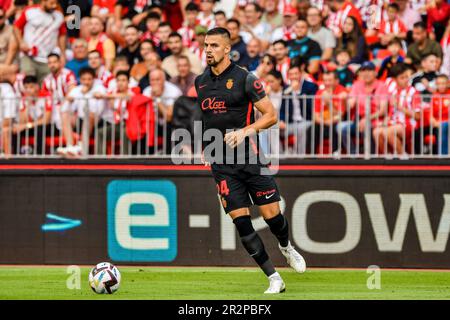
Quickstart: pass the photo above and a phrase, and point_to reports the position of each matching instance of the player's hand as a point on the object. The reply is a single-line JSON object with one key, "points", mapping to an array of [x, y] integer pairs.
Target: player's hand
{"points": [[235, 138]]}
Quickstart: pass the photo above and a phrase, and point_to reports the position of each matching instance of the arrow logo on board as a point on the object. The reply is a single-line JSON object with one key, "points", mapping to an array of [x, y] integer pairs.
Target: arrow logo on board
{"points": [[59, 223]]}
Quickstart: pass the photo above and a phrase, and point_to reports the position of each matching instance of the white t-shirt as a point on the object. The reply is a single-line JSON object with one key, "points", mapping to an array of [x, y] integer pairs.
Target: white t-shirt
{"points": [[170, 94], [95, 106], [262, 31], [8, 102]]}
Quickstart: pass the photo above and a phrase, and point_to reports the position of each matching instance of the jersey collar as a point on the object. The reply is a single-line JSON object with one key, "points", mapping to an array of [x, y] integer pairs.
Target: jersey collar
{"points": [[224, 72]]}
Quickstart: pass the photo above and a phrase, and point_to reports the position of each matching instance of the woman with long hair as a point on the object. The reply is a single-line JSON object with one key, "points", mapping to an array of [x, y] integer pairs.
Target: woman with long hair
{"points": [[351, 38]]}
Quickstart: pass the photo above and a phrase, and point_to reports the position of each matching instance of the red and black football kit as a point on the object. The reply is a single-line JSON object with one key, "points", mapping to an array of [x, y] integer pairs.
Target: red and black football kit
{"points": [[227, 103]]}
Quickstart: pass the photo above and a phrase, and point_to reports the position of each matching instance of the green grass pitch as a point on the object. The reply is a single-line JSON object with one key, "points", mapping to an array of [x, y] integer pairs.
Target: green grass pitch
{"points": [[26, 282]]}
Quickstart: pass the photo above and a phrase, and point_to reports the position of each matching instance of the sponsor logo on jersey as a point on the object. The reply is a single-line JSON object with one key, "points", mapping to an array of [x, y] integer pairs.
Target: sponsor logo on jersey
{"points": [[214, 104]]}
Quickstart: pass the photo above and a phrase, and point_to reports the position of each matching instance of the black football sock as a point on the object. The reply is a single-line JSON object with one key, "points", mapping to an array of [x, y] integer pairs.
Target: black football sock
{"points": [[280, 228], [253, 244]]}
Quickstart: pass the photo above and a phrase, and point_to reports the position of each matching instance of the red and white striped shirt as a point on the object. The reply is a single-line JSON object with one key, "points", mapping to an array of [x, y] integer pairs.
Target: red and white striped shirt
{"points": [[209, 22], [187, 34], [406, 98], [200, 53], [336, 20], [151, 36], [396, 27], [58, 86], [283, 68], [391, 85], [35, 109], [41, 31], [104, 76], [116, 109], [19, 88]]}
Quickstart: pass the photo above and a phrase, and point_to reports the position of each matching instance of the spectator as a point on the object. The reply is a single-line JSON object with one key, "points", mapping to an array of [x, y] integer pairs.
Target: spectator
{"points": [[422, 46], [286, 30], [392, 27], [198, 47], [140, 70], [152, 24], [344, 73], [8, 112], [266, 65], [99, 41], [220, 18], [302, 8], [439, 118], [80, 57], [271, 14], [57, 85], [121, 65], [104, 9], [407, 14], [341, 10], [153, 62], [131, 51], [352, 39], [163, 94], [394, 47], [445, 45], [274, 88], [304, 48], [6, 35], [366, 87], [397, 130], [438, 14], [185, 79], [75, 120], [329, 110], [283, 62], [238, 52], [116, 115], [296, 112], [424, 81], [164, 31], [176, 47], [102, 75], [187, 31], [317, 32], [35, 115], [254, 52], [254, 25], [206, 15], [48, 24]]}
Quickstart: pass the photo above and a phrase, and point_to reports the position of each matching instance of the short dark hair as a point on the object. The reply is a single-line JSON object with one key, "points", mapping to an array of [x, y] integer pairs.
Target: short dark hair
{"points": [[219, 31], [258, 8], [175, 34], [334, 73], [191, 6], [153, 16], [281, 41], [123, 73], [220, 12], [233, 20], [87, 70], [443, 76], [121, 57], [398, 69], [276, 74], [394, 5], [30, 79], [132, 26], [395, 41], [428, 55], [420, 24], [53, 54], [164, 24]]}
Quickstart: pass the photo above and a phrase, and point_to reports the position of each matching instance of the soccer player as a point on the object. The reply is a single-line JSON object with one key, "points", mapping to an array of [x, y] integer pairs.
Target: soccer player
{"points": [[227, 95]]}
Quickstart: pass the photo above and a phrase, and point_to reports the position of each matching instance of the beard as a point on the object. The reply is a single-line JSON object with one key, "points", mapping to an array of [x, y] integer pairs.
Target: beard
{"points": [[214, 62]]}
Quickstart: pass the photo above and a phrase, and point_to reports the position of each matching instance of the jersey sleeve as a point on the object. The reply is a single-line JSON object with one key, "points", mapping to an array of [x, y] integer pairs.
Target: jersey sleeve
{"points": [[254, 88]]}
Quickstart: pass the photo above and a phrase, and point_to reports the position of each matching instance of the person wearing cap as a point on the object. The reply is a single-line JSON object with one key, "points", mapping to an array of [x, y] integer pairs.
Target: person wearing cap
{"points": [[286, 31], [319, 33], [366, 88], [197, 47]]}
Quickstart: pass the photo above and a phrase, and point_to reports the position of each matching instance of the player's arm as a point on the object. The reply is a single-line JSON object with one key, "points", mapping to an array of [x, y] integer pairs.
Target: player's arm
{"points": [[255, 91]]}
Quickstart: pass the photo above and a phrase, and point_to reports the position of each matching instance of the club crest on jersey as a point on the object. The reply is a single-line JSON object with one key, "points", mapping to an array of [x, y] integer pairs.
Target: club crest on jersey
{"points": [[229, 84]]}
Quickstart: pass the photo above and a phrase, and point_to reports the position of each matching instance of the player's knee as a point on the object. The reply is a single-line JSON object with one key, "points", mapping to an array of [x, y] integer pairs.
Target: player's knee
{"points": [[244, 225], [278, 224]]}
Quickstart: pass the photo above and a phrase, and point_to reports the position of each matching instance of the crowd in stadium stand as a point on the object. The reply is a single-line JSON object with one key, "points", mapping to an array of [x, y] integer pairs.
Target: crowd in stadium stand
{"points": [[120, 56]]}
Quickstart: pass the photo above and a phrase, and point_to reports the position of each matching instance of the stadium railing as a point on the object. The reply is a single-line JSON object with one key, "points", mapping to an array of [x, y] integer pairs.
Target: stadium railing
{"points": [[309, 127]]}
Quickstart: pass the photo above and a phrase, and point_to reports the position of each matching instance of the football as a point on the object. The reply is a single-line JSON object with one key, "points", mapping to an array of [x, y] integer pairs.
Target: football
{"points": [[104, 278]]}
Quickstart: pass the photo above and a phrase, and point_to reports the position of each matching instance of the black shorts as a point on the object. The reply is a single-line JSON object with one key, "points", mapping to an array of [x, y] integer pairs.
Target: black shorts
{"points": [[241, 186]]}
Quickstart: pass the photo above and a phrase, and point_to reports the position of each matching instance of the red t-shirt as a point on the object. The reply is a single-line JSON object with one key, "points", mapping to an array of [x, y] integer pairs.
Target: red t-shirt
{"points": [[108, 4], [440, 104], [337, 103]]}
